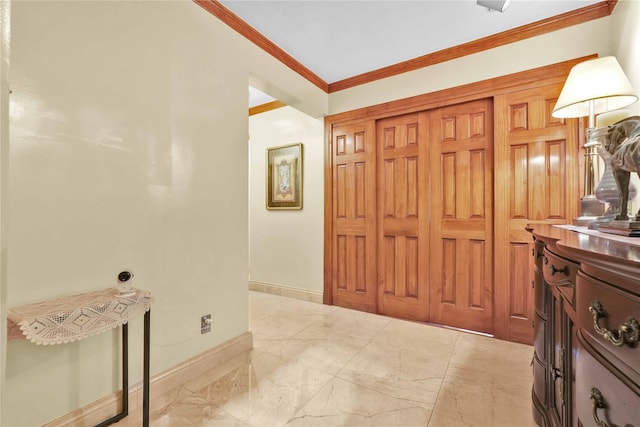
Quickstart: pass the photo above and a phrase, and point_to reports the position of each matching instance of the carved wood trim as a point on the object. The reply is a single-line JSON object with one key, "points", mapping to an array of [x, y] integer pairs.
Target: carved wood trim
{"points": [[268, 106], [459, 94]]}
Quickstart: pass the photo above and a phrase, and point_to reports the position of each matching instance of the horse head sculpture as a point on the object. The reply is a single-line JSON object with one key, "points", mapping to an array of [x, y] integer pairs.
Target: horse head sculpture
{"points": [[623, 143]]}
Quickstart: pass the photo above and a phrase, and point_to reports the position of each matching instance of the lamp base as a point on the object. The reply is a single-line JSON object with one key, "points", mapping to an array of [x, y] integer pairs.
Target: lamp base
{"points": [[605, 219], [628, 228], [590, 209]]}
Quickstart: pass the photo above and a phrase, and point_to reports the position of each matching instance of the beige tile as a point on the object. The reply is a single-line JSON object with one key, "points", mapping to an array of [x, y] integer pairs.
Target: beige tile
{"points": [[403, 374], [318, 348], [356, 324], [471, 397], [492, 355], [266, 392], [185, 414], [315, 365], [342, 403], [433, 341], [195, 413]]}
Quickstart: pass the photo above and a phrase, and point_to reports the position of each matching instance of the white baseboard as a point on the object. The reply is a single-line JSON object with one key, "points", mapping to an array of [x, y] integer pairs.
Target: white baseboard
{"points": [[166, 387], [286, 291]]}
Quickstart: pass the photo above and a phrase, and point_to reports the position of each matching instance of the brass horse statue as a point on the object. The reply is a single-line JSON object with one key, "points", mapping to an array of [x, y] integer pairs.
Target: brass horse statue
{"points": [[623, 143]]}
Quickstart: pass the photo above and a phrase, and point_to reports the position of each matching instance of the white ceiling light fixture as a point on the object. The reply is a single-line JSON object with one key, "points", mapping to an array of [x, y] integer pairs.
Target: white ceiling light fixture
{"points": [[499, 5]]}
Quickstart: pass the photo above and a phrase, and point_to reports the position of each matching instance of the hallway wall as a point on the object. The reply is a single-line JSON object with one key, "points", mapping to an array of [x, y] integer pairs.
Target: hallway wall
{"points": [[286, 246], [128, 150], [625, 42]]}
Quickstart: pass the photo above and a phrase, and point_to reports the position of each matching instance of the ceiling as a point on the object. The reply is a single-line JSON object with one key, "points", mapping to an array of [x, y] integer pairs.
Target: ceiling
{"points": [[341, 39]]}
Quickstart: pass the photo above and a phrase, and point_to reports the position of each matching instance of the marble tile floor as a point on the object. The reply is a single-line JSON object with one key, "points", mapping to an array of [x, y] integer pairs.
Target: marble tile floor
{"points": [[318, 365]]}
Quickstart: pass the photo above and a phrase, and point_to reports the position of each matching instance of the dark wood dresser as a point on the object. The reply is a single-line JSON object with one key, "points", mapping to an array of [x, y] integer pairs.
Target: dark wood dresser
{"points": [[586, 363]]}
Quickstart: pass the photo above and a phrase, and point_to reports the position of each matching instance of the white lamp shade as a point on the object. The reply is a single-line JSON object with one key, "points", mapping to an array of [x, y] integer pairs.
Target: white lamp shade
{"points": [[600, 80]]}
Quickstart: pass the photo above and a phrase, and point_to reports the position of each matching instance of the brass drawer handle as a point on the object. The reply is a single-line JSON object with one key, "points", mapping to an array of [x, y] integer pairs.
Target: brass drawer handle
{"points": [[564, 270], [598, 403], [629, 332]]}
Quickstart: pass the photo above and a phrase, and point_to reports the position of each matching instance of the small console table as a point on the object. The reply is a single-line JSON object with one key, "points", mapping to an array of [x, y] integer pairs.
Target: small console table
{"points": [[76, 317]]}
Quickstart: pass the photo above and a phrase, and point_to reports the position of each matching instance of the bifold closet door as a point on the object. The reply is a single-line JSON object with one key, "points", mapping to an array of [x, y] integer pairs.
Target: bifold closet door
{"points": [[402, 216], [354, 216], [462, 215]]}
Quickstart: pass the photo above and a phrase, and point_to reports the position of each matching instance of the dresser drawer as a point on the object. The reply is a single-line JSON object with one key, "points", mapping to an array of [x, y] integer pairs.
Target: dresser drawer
{"points": [[601, 396], [601, 308], [560, 272]]}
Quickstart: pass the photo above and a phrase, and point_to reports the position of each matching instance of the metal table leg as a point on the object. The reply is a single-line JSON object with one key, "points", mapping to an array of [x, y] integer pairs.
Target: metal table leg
{"points": [[145, 379], [125, 380], [125, 375]]}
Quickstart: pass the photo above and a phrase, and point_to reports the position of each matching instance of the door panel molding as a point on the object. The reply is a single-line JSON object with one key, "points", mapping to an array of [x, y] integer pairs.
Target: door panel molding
{"points": [[514, 128]]}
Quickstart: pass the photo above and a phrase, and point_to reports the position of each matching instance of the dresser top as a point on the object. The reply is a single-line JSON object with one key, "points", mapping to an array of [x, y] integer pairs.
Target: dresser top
{"points": [[599, 249]]}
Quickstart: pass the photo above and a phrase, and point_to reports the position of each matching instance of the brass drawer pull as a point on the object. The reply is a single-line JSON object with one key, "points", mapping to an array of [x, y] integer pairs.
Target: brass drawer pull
{"points": [[629, 332], [564, 270], [598, 403]]}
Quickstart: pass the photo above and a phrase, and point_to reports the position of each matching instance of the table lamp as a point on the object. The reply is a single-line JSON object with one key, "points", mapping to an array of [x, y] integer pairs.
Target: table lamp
{"points": [[593, 87]]}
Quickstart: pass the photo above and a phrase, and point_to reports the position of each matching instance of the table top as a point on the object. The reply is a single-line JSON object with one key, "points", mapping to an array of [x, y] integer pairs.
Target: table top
{"points": [[75, 317]]}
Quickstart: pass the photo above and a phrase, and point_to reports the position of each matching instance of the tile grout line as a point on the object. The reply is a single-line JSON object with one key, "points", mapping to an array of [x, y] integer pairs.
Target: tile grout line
{"points": [[444, 376], [335, 376]]}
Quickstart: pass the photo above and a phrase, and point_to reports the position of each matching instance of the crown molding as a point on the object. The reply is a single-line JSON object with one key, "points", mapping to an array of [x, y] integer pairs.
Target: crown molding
{"points": [[568, 19], [267, 106], [241, 27]]}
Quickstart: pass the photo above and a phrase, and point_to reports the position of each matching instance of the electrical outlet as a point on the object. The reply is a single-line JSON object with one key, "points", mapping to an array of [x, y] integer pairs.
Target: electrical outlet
{"points": [[205, 324]]}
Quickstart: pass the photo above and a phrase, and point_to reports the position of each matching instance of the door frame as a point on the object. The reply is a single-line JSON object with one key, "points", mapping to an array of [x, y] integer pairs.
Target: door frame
{"points": [[537, 77]]}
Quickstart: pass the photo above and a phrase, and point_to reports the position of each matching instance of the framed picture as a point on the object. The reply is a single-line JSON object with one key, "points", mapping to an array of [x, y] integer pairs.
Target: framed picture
{"points": [[284, 177]]}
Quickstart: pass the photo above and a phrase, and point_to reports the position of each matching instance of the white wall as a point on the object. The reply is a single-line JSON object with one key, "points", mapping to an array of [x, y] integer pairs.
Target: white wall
{"points": [[569, 43], [4, 173], [286, 247], [128, 139], [625, 39]]}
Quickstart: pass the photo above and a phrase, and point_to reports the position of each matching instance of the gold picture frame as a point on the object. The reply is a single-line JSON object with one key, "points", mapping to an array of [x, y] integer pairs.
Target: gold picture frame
{"points": [[284, 177]]}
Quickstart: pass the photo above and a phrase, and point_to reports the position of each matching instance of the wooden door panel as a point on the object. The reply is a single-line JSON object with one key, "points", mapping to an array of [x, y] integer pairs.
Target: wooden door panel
{"points": [[521, 298], [536, 182], [461, 216], [403, 192], [354, 224]]}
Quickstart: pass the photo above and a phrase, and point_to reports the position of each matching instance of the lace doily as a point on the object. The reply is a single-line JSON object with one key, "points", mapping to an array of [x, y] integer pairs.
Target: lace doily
{"points": [[76, 317]]}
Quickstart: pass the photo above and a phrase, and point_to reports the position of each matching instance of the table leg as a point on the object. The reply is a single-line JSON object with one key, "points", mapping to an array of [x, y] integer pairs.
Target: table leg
{"points": [[125, 380], [145, 380]]}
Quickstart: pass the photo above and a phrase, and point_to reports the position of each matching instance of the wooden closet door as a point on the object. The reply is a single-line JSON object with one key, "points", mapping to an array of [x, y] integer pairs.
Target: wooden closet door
{"points": [[536, 182], [461, 216], [354, 216], [403, 193]]}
